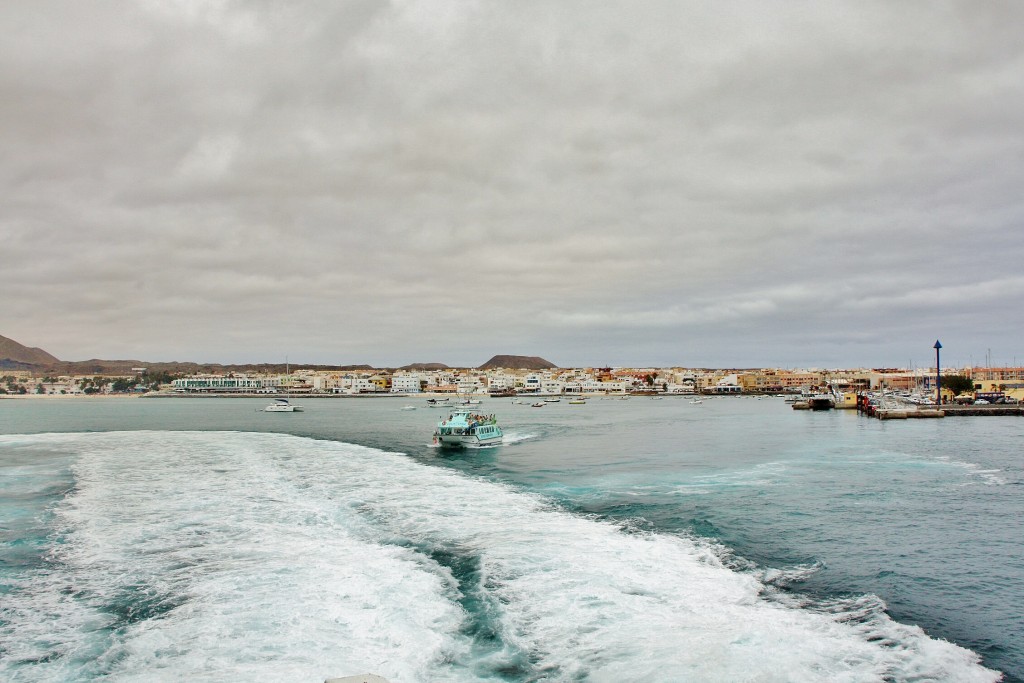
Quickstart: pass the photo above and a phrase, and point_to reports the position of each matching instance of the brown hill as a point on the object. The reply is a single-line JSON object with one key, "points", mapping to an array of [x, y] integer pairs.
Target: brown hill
{"points": [[425, 366], [16, 354], [97, 366], [518, 363]]}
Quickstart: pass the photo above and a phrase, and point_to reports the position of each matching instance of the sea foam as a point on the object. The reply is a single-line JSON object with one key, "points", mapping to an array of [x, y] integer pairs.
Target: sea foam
{"points": [[206, 556]]}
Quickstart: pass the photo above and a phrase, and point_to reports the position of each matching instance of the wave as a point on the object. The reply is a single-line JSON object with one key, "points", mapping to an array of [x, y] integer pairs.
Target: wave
{"points": [[204, 556]]}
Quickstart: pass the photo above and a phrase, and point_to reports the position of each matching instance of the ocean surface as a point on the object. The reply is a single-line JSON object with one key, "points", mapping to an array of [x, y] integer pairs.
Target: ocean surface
{"points": [[199, 539]]}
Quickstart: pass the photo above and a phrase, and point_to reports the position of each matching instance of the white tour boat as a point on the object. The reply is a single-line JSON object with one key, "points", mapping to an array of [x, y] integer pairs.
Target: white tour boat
{"points": [[464, 427]]}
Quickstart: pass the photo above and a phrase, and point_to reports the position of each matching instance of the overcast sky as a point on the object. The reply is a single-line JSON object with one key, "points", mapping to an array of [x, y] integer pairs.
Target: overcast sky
{"points": [[623, 183]]}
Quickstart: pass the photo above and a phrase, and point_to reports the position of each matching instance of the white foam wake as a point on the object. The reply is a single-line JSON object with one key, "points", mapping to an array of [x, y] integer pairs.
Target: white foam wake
{"points": [[282, 558]]}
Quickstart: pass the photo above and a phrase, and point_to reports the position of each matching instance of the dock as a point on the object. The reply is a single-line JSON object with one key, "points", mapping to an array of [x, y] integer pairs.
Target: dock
{"points": [[994, 409], [889, 408]]}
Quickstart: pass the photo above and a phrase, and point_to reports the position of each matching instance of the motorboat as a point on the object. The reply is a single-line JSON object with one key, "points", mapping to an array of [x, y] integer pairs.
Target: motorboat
{"points": [[577, 401], [465, 428], [408, 407], [539, 404], [283, 405]]}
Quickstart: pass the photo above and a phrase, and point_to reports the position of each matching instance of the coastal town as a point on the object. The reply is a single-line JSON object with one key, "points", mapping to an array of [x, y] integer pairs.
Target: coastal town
{"points": [[996, 383]]}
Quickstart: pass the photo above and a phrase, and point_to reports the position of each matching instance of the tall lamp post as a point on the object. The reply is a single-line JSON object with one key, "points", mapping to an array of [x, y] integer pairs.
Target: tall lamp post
{"points": [[938, 375]]}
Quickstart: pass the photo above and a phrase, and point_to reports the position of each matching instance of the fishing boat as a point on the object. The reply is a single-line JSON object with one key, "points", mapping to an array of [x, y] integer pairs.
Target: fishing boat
{"points": [[464, 427], [283, 405]]}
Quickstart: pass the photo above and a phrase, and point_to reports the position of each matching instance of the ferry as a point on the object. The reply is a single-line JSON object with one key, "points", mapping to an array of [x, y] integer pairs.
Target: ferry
{"points": [[464, 427]]}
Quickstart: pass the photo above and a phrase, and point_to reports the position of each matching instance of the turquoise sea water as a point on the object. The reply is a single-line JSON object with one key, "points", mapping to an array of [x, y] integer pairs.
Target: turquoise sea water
{"points": [[639, 540]]}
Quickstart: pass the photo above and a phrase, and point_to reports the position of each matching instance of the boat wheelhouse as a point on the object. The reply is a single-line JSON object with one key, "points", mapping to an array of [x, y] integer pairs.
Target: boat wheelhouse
{"points": [[464, 427]]}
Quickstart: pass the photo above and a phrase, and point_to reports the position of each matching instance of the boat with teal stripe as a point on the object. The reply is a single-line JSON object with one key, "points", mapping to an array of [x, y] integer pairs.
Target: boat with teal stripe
{"points": [[464, 427]]}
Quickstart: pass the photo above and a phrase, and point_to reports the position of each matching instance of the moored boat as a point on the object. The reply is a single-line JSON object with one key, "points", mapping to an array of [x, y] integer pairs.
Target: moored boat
{"points": [[464, 427], [821, 402], [283, 405]]}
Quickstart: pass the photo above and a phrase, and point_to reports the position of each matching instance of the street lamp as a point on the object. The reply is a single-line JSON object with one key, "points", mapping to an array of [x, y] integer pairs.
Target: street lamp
{"points": [[938, 375]]}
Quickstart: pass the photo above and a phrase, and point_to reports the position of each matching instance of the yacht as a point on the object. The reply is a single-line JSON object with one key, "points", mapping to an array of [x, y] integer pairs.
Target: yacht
{"points": [[283, 405], [464, 427]]}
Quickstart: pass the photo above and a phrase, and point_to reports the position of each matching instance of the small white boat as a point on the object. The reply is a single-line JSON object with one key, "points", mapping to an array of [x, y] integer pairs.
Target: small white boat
{"points": [[408, 407], [283, 405], [696, 400], [552, 400], [539, 404]]}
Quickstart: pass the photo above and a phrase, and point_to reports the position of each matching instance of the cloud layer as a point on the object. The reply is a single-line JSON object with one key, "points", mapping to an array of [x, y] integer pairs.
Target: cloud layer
{"points": [[665, 183]]}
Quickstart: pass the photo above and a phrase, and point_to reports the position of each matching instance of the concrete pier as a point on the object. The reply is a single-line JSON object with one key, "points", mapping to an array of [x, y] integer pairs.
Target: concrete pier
{"points": [[994, 409], [893, 409]]}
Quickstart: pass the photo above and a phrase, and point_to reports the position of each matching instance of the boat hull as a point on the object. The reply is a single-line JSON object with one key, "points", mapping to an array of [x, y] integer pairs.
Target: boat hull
{"points": [[465, 441]]}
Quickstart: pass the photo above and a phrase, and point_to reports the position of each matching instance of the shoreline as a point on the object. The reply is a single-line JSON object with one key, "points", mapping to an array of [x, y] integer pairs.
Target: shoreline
{"points": [[424, 395]]}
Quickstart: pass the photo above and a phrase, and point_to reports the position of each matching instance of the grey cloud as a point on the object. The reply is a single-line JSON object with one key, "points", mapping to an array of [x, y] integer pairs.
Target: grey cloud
{"points": [[386, 181]]}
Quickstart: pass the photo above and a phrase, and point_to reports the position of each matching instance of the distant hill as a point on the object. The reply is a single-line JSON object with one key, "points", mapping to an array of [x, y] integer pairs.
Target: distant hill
{"points": [[425, 366], [124, 367], [518, 363], [17, 355]]}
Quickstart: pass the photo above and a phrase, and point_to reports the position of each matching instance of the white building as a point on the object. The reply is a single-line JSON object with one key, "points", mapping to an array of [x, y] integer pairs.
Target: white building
{"points": [[552, 386], [405, 383], [470, 385], [532, 382], [218, 383]]}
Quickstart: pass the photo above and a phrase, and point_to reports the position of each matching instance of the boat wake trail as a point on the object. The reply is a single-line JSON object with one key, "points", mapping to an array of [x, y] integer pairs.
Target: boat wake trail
{"points": [[208, 556], [516, 437]]}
